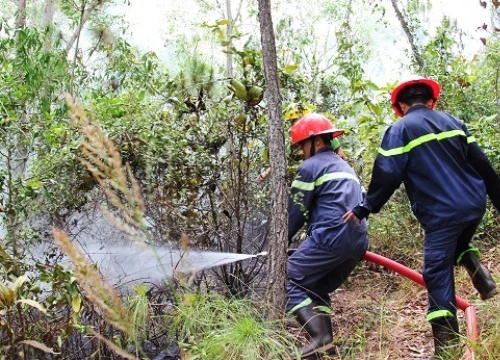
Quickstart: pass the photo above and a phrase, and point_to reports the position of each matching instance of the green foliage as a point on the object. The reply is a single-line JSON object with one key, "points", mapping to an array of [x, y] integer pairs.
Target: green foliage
{"points": [[43, 308], [214, 327], [140, 312], [31, 79], [196, 140]]}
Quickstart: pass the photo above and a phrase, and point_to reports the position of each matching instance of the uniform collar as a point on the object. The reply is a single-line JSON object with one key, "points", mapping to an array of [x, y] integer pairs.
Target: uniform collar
{"points": [[324, 150], [415, 108]]}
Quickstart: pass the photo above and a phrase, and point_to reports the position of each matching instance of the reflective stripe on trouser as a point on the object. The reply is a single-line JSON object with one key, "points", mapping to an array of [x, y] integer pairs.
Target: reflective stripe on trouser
{"points": [[441, 249], [460, 256], [463, 245], [313, 274]]}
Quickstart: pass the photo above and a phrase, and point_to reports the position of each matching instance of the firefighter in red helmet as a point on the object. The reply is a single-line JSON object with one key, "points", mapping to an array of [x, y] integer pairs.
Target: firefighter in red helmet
{"points": [[447, 177], [293, 113], [323, 190], [415, 85]]}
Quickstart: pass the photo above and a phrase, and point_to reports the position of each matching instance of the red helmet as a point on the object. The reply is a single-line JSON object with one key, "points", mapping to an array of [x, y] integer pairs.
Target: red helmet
{"points": [[414, 80], [312, 125]]}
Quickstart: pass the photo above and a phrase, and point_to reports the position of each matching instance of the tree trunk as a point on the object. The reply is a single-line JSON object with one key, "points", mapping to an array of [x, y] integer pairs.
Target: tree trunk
{"points": [[230, 24], [409, 35], [229, 30], [277, 260], [48, 19], [21, 14], [84, 16], [48, 13]]}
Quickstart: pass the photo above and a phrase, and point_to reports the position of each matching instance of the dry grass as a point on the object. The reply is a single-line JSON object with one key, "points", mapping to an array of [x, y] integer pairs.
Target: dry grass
{"points": [[96, 290]]}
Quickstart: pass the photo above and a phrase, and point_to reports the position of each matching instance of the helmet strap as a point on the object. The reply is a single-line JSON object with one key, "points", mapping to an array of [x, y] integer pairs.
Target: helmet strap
{"points": [[313, 147], [399, 108]]}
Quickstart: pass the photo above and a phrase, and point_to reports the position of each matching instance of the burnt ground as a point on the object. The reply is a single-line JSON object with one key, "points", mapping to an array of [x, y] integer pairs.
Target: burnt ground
{"points": [[380, 315]]}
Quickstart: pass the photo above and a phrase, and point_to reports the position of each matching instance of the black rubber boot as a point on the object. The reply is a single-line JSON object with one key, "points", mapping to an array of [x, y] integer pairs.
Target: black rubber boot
{"points": [[446, 335], [319, 327], [481, 277]]}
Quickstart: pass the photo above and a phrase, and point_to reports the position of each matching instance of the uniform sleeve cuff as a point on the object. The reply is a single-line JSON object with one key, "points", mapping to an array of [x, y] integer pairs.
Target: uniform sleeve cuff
{"points": [[360, 212]]}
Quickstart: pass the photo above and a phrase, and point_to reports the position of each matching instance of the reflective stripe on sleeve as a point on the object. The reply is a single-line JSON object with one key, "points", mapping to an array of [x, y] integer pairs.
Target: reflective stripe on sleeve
{"points": [[309, 186], [422, 140], [303, 185]]}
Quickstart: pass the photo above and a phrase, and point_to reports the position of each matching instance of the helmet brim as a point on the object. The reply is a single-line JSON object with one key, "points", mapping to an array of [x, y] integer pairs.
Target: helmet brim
{"points": [[335, 133], [433, 85]]}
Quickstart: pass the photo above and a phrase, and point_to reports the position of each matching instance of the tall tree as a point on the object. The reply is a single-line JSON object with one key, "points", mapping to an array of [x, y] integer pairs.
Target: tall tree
{"points": [[21, 14], [409, 34], [279, 222], [48, 20], [230, 24]]}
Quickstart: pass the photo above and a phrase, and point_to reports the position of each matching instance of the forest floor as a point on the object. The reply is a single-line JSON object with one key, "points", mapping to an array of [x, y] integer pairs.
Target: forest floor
{"points": [[380, 315]]}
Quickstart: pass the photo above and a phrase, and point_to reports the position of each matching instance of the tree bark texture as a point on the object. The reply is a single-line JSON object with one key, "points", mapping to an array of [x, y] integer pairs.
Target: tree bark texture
{"points": [[277, 261]]}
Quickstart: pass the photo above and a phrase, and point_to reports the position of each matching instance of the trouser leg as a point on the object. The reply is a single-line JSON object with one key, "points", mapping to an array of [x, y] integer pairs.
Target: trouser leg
{"points": [[469, 258], [314, 273], [320, 292], [439, 259]]}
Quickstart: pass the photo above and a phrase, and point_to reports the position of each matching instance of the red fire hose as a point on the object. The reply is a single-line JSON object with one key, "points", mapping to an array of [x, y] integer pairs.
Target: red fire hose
{"points": [[470, 310]]}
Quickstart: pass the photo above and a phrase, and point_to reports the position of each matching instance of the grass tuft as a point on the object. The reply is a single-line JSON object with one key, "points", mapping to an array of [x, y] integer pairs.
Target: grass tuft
{"points": [[214, 327]]}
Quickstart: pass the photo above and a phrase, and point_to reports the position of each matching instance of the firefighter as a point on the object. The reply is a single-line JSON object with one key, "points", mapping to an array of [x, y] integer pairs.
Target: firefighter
{"points": [[324, 188], [447, 177], [293, 113]]}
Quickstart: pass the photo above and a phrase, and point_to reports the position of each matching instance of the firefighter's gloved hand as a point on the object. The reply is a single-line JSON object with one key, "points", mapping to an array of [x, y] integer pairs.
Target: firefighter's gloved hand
{"points": [[355, 215], [361, 212]]}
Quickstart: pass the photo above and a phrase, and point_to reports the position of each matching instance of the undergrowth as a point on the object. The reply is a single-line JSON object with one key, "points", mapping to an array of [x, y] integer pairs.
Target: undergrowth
{"points": [[211, 326]]}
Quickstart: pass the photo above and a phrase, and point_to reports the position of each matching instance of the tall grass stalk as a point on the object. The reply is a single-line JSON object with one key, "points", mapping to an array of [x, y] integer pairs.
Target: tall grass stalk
{"points": [[96, 290], [488, 346], [103, 161]]}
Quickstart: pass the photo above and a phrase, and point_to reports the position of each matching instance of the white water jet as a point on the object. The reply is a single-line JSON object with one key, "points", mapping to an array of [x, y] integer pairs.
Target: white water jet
{"points": [[131, 263], [124, 262], [198, 260]]}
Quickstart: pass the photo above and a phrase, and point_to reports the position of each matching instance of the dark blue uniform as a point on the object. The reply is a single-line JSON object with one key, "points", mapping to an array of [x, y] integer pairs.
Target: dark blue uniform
{"points": [[447, 177], [324, 189]]}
